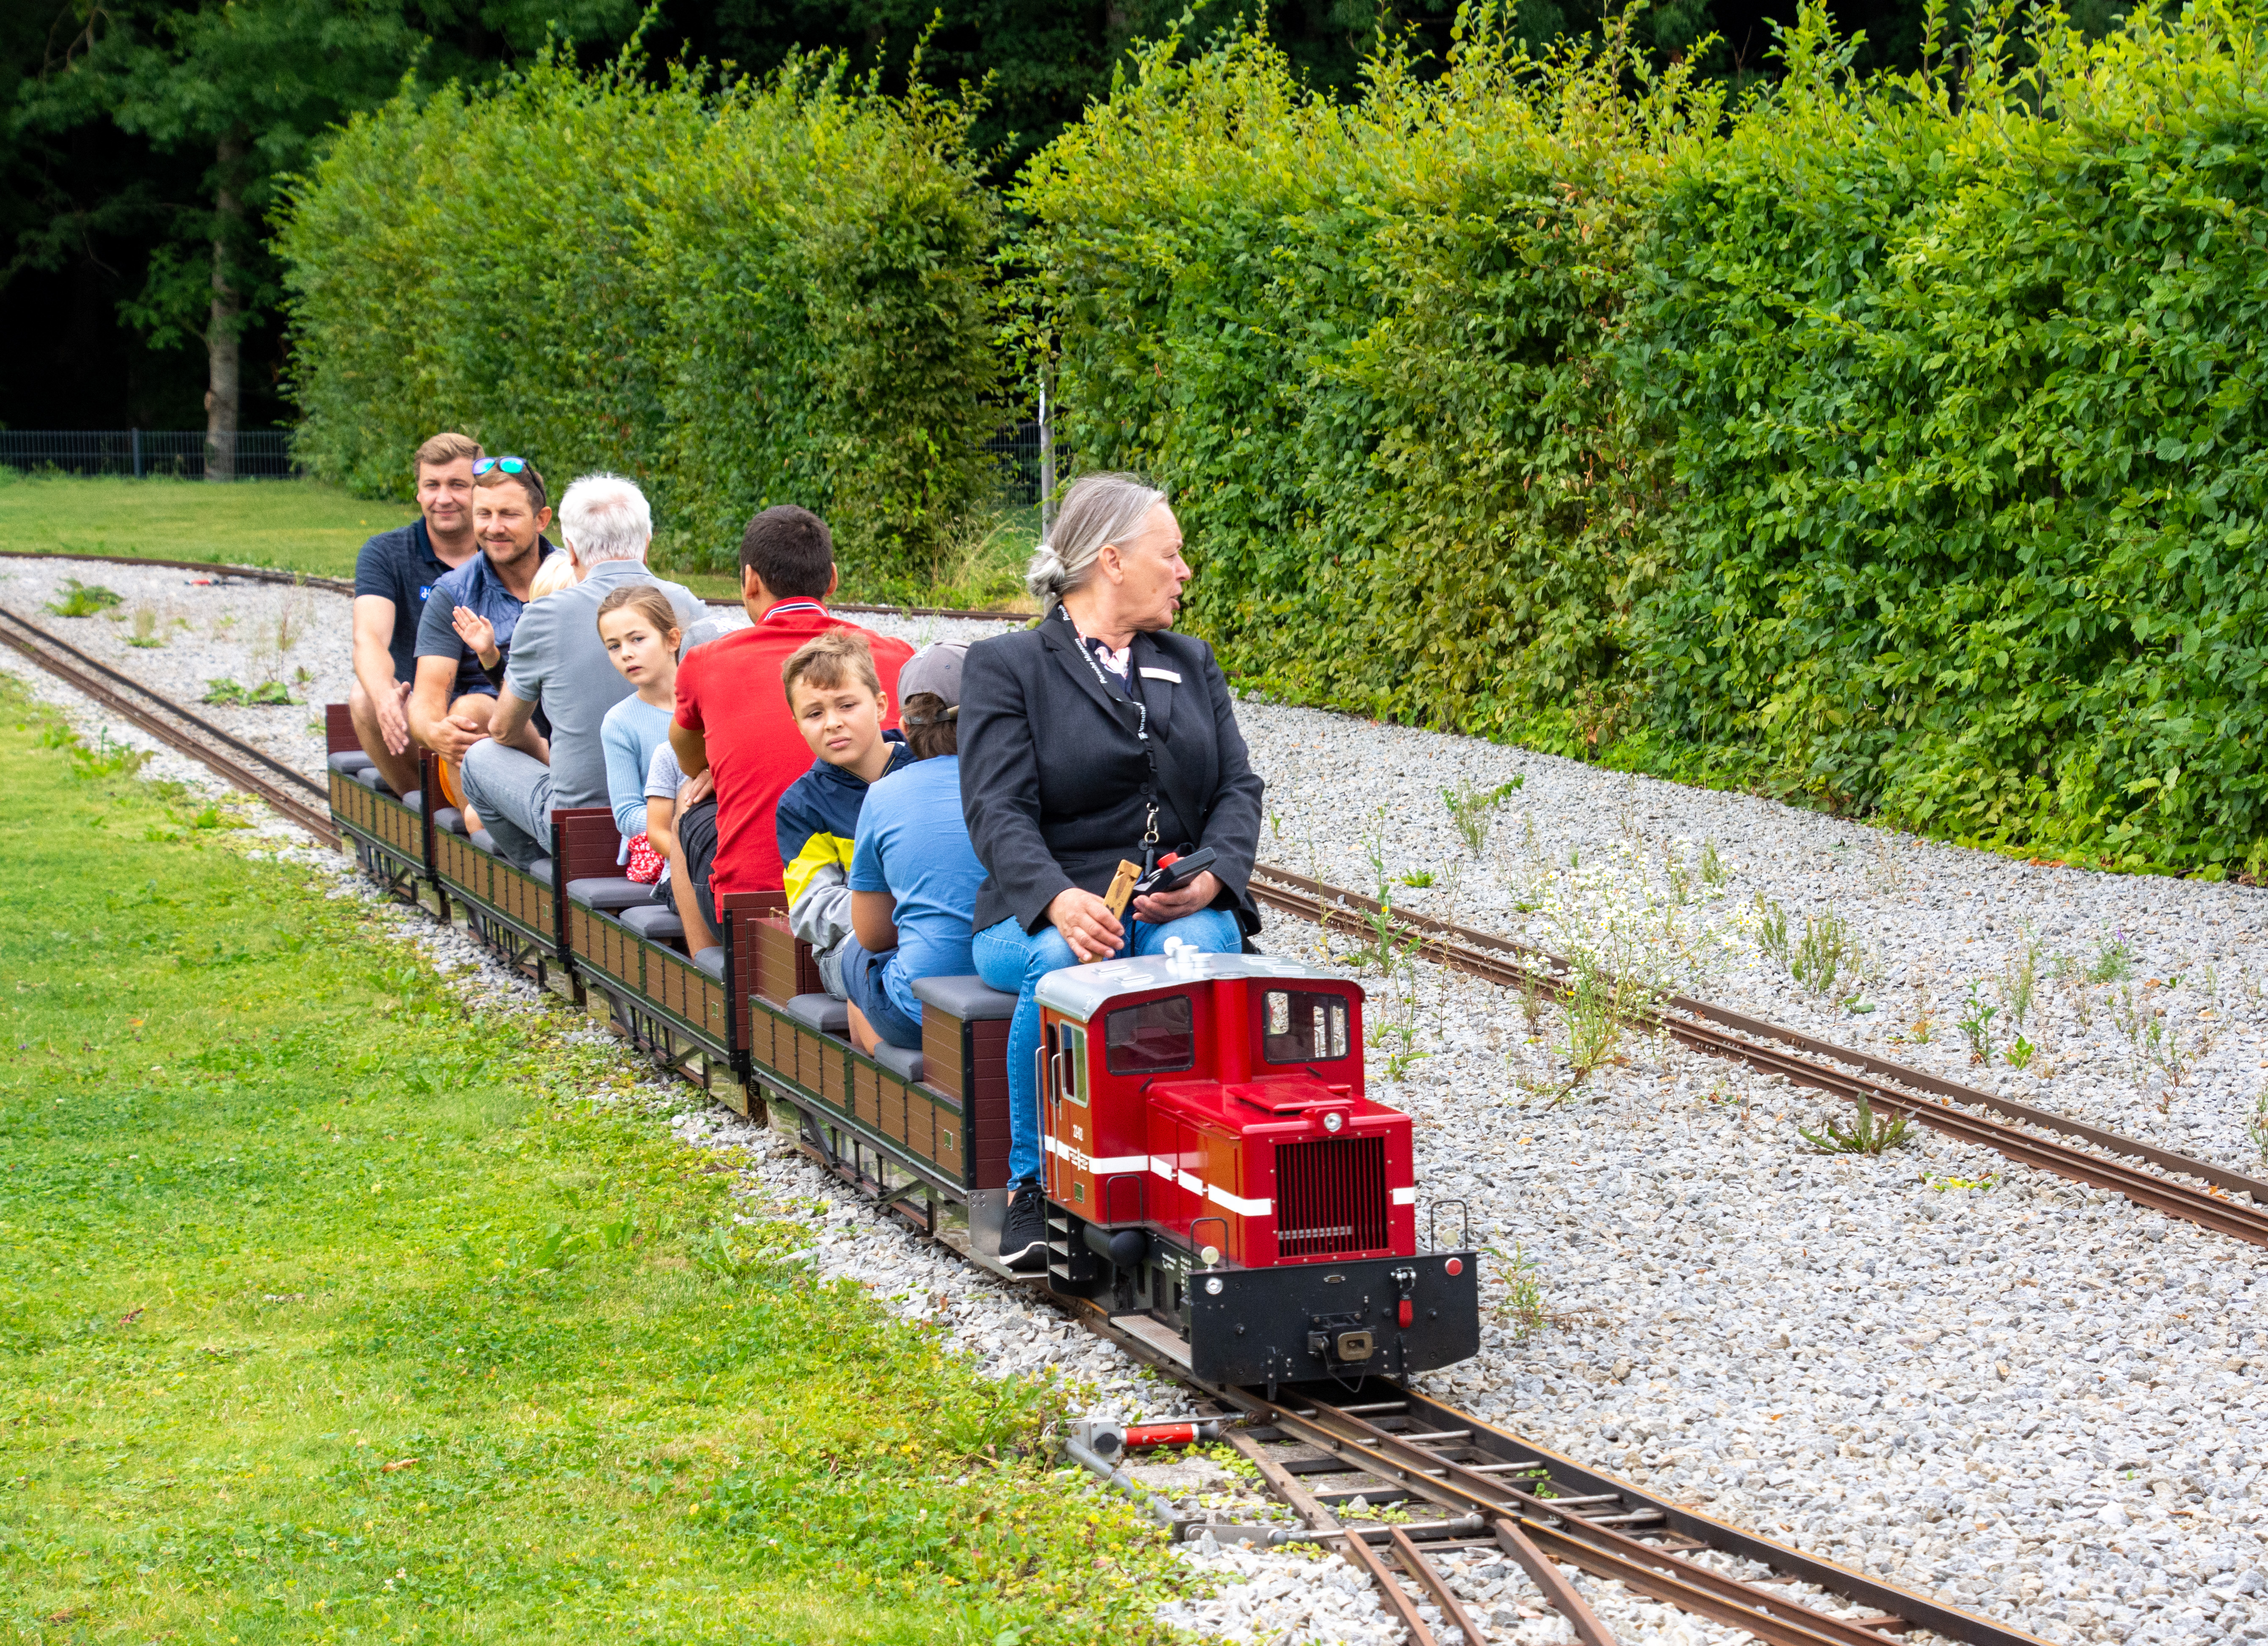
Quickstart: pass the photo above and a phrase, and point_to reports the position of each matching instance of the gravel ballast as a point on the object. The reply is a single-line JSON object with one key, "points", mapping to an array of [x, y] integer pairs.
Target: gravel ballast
{"points": [[1963, 1376]]}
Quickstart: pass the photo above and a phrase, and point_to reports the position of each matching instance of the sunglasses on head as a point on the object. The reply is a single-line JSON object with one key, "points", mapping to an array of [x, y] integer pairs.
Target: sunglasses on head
{"points": [[510, 465]]}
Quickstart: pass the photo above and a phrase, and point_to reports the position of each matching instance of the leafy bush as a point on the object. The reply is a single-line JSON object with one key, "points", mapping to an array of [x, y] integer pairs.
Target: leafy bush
{"points": [[773, 294], [1893, 443], [1365, 348]]}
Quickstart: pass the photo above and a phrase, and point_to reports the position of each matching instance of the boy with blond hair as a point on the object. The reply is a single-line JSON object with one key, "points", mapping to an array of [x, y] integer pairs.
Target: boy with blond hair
{"points": [[835, 694]]}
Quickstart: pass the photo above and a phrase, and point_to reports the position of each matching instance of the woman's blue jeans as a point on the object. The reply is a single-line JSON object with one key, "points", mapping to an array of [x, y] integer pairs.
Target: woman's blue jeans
{"points": [[1012, 961]]}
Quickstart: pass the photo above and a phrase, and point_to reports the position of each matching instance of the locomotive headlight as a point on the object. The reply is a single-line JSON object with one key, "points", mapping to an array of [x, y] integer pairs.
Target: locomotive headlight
{"points": [[1333, 1120], [1212, 1287], [1209, 1256]]}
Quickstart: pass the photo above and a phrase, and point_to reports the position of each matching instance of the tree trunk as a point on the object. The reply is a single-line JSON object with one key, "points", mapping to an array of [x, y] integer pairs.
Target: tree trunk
{"points": [[224, 332]]}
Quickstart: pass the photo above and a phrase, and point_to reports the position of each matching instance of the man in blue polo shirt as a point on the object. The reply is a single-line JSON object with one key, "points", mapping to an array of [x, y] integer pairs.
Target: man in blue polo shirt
{"points": [[455, 692], [394, 573]]}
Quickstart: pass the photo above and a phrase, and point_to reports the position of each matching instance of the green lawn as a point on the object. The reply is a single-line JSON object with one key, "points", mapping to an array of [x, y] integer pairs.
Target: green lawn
{"points": [[303, 526], [331, 1312]]}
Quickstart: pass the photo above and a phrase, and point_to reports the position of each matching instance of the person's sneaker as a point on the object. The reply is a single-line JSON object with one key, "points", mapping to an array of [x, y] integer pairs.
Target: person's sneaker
{"points": [[1024, 1235]]}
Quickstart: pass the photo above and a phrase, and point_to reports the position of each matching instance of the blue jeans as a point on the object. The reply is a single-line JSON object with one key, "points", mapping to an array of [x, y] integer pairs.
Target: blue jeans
{"points": [[511, 791], [1012, 960], [864, 987]]}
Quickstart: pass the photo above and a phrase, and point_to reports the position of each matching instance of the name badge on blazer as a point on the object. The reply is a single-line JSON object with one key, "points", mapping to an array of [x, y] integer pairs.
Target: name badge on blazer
{"points": [[1161, 674]]}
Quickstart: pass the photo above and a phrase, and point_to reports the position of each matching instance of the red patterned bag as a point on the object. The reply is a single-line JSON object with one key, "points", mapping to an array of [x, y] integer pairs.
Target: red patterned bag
{"points": [[646, 864]]}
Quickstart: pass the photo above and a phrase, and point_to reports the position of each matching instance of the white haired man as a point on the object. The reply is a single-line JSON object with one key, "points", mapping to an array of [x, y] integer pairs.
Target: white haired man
{"points": [[559, 661]]}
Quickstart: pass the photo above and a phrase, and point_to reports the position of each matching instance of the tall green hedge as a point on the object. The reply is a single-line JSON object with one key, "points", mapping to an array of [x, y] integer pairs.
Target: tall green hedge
{"points": [[1896, 441], [776, 293], [1365, 347]]}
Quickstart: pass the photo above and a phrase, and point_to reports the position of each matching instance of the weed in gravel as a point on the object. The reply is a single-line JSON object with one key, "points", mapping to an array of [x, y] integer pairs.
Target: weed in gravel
{"points": [[1595, 1013], [226, 693], [1976, 1026], [2020, 1053], [1772, 929], [145, 627], [1713, 873], [1523, 1307], [1419, 880], [1887, 872], [1863, 1135], [2258, 1125], [1472, 810], [1826, 951], [1531, 1000], [83, 600], [2019, 979], [2114, 960], [1925, 1026], [101, 758]]}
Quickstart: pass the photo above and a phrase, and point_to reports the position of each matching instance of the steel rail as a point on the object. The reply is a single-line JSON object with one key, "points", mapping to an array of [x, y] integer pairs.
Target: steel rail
{"points": [[175, 726], [1841, 1070], [342, 586]]}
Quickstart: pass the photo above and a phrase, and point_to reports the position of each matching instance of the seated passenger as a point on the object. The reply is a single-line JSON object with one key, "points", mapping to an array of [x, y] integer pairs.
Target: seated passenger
{"points": [[641, 632], [394, 573], [913, 874], [1097, 736], [453, 699], [559, 662], [839, 705], [732, 720], [668, 793]]}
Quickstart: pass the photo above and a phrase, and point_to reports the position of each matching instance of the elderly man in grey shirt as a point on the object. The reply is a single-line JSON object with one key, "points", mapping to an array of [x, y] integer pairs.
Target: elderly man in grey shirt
{"points": [[559, 661]]}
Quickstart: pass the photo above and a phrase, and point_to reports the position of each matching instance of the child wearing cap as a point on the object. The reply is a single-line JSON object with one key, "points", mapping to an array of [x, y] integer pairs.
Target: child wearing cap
{"points": [[914, 875]]}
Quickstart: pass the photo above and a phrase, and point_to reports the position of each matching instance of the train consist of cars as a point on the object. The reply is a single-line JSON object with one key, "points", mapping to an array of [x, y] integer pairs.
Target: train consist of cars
{"points": [[1217, 1181]]}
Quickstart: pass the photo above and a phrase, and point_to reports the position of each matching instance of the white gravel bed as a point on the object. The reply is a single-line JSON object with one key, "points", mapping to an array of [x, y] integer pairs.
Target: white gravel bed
{"points": [[2033, 1401], [1359, 803]]}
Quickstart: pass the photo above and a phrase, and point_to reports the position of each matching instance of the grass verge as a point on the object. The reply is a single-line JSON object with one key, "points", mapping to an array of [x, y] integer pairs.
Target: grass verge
{"points": [[329, 1309]]}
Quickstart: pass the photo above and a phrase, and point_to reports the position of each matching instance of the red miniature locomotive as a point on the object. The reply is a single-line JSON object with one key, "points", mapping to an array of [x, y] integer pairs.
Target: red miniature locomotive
{"points": [[1214, 1166]]}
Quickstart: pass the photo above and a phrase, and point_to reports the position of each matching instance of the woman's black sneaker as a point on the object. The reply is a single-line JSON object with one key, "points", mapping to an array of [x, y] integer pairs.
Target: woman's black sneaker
{"points": [[1024, 1235]]}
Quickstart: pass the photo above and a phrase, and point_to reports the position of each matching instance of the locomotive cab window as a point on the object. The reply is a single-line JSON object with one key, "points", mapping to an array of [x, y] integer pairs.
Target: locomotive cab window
{"points": [[1070, 1066], [1300, 1026], [1152, 1039]]}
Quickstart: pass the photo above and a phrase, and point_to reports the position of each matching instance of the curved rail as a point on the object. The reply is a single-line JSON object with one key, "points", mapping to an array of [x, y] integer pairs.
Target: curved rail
{"points": [[237, 762], [1938, 1103]]}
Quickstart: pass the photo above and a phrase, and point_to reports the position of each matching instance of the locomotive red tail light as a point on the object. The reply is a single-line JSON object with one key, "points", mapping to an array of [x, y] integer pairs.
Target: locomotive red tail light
{"points": [[1454, 1265], [1407, 1312]]}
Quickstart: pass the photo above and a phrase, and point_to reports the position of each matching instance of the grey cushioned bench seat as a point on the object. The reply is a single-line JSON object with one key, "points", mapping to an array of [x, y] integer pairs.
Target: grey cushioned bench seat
{"points": [[350, 760], [654, 923], [483, 840], [907, 1066], [822, 1012], [711, 960], [367, 776], [541, 870], [449, 820], [416, 800], [965, 998], [608, 894]]}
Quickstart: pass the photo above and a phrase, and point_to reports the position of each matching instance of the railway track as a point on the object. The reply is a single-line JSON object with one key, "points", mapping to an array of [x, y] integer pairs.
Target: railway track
{"points": [[292, 795], [1495, 1490], [2221, 1200]]}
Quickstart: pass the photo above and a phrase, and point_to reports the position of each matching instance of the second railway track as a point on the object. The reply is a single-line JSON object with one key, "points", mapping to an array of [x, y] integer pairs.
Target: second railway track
{"points": [[2227, 1201]]}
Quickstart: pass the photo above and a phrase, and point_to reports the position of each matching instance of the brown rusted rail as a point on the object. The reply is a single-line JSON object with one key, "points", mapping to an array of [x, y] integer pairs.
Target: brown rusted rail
{"points": [[2211, 1202], [292, 795]]}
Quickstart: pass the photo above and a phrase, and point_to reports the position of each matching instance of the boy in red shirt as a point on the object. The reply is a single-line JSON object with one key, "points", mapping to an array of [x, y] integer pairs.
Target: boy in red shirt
{"points": [[732, 715]]}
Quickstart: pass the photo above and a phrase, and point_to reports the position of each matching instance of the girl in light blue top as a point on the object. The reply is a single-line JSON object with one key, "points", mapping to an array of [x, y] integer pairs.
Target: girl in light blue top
{"points": [[640, 629]]}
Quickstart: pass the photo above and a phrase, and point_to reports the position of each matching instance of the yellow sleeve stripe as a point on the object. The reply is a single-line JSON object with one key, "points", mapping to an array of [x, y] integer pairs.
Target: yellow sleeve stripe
{"points": [[821, 851]]}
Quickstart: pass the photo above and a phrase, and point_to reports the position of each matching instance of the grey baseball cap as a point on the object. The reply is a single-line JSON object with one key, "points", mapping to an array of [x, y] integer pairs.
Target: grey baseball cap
{"points": [[934, 668]]}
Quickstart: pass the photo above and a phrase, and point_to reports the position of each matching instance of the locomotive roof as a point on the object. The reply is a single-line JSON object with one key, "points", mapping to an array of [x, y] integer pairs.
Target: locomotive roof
{"points": [[1080, 992]]}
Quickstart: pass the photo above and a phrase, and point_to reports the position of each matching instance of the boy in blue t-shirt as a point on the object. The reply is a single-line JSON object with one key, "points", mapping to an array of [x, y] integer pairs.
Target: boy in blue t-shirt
{"points": [[913, 874]]}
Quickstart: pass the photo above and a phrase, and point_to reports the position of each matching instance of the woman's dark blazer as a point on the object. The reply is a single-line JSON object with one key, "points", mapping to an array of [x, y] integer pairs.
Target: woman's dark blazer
{"points": [[1051, 769]]}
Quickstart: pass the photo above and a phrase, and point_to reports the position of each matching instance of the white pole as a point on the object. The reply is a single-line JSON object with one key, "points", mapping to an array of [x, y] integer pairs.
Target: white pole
{"points": [[1047, 460]]}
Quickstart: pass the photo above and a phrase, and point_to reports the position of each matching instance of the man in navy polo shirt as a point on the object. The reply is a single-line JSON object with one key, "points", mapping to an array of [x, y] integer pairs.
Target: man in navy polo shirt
{"points": [[394, 574], [455, 692]]}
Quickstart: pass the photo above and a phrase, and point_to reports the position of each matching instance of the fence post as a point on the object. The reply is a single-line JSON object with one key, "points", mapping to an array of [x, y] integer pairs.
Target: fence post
{"points": [[137, 454], [1047, 459]]}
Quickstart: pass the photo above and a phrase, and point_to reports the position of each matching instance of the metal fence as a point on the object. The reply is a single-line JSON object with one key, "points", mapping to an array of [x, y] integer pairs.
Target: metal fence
{"points": [[261, 453], [1017, 446]]}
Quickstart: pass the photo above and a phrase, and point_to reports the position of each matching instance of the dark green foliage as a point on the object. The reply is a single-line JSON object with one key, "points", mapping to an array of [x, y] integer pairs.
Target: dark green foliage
{"points": [[1896, 444], [772, 294], [1365, 348]]}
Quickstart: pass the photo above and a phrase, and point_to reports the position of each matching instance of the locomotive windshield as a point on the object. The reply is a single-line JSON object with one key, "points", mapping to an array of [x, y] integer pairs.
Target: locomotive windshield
{"points": [[1303, 1027], [1150, 1038]]}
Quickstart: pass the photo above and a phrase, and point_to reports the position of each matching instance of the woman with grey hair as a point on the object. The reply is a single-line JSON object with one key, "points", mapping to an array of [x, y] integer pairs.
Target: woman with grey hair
{"points": [[1094, 736]]}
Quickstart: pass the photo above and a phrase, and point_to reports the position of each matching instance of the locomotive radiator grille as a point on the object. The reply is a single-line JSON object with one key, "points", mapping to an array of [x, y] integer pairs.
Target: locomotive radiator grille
{"points": [[1330, 1197]]}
